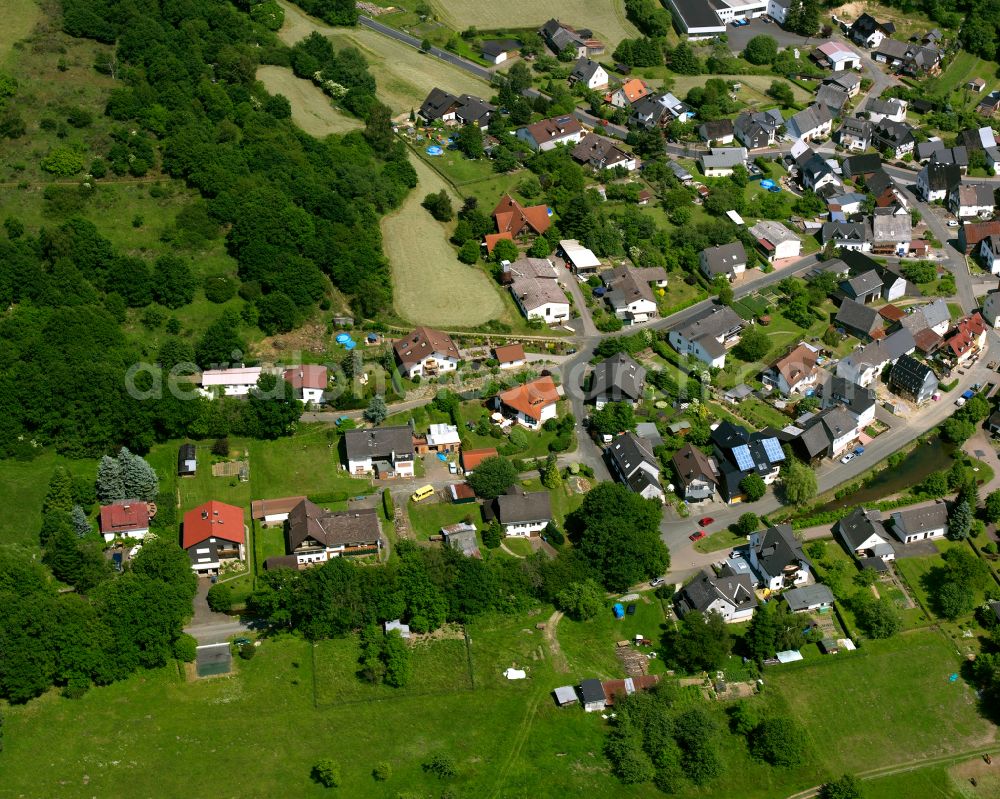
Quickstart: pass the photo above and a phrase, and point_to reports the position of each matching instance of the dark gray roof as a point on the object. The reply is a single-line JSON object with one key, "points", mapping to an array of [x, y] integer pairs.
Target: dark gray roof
{"points": [[721, 260], [814, 440], [919, 520], [705, 589], [379, 443], [807, 596], [696, 13], [854, 397], [863, 284], [910, 375], [846, 80], [777, 548], [716, 129], [942, 177], [859, 525], [618, 377], [584, 69], [833, 97], [472, 110], [810, 118], [599, 151], [858, 317], [882, 351], [878, 182], [861, 164], [493, 47], [886, 107], [592, 691], [892, 133], [713, 323], [629, 452], [845, 231], [522, 506], [438, 103]]}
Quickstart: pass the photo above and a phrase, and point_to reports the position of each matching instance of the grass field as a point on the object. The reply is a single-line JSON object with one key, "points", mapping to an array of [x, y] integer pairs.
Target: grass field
{"points": [[23, 485], [606, 18], [427, 518], [20, 18], [311, 109], [404, 76], [964, 67], [752, 93], [431, 286], [888, 704], [939, 782], [591, 644], [440, 666]]}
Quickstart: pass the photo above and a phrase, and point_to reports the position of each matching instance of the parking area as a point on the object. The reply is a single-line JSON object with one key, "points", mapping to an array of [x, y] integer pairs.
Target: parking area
{"points": [[738, 37]]}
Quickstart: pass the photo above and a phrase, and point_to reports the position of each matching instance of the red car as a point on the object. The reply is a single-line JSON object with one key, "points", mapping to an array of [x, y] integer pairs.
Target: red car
{"points": [[706, 521], [697, 536]]}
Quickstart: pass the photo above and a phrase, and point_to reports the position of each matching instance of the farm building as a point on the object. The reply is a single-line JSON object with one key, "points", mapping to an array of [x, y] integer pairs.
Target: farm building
{"points": [[187, 460]]}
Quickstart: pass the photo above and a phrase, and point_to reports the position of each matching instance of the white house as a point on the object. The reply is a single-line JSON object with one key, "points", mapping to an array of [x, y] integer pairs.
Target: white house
{"points": [[893, 109], [776, 558], [308, 381], [865, 536], [316, 535], [426, 352], [991, 308], [936, 181], [775, 240], [633, 462], [385, 451], [968, 200], [836, 56], [235, 382], [522, 514], [917, 524], [866, 363], [510, 356], [814, 122], [531, 404], [496, 51], [721, 161], [630, 92], [795, 373], [548, 133], [630, 293], [731, 596], [590, 73], [540, 298], [127, 518], [778, 10], [989, 251], [728, 260], [709, 336]]}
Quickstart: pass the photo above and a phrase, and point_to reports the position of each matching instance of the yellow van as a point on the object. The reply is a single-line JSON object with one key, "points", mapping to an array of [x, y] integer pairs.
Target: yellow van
{"points": [[422, 493]]}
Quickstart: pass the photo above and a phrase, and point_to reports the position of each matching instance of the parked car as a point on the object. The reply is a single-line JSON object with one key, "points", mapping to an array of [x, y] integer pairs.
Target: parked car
{"points": [[848, 458], [705, 521], [697, 535], [656, 582], [952, 223], [630, 610]]}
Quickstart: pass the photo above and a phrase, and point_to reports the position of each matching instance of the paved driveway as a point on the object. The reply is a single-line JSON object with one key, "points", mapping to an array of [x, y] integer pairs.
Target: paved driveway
{"points": [[738, 37]]}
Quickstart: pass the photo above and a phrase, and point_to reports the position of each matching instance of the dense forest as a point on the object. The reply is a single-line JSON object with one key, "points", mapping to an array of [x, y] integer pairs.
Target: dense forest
{"points": [[300, 217]]}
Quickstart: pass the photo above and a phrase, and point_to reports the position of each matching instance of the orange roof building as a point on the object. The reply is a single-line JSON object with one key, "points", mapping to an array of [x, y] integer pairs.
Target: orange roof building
{"points": [[530, 404], [510, 355], [471, 458], [629, 92], [513, 218], [213, 533]]}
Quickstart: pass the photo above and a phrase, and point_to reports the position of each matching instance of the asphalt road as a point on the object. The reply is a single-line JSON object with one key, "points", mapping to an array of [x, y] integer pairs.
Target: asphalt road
{"points": [[455, 60]]}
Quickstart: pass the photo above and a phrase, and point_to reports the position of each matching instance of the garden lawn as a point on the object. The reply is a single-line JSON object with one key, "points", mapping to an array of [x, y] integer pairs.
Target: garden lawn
{"points": [[301, 464], [889, 703], [590, 645], [720, 539], [915, 570], [427, 518], [203, 486]]}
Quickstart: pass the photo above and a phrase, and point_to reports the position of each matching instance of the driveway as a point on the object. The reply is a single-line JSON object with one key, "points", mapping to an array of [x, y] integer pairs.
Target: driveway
{"points": [[209, 627]]}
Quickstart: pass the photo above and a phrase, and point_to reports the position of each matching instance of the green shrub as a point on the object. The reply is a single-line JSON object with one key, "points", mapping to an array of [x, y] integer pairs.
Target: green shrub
{"points": [[186, 648]]}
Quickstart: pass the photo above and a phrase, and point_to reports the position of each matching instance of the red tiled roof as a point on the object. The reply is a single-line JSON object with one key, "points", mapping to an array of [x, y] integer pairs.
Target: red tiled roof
{"points": [[532, 397], [307, 376], [512, 217], [471, 458], [509, 353], [125, 516], [213, 520], [493, 238]]}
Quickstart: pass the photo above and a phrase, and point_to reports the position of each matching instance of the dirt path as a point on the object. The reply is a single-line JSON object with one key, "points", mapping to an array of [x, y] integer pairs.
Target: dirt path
{"points": [[910, 765], [559, 662], [510, 552]]}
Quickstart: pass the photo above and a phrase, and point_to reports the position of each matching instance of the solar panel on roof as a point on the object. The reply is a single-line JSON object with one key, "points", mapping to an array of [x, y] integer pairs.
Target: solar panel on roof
{"points": [[744, 461], [773, 449]]}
